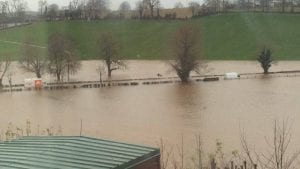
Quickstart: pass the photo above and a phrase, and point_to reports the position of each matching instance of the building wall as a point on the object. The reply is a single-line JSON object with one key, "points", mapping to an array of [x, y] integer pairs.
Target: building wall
{"points": [[153, 163]]}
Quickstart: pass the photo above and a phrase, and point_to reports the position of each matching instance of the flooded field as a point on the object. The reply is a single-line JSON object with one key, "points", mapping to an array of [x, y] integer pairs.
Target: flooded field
{"points": [[144, 114]]}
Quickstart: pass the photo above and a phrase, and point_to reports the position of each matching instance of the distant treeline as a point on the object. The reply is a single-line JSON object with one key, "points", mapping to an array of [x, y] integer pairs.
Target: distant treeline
{"points": [[14, 11]]}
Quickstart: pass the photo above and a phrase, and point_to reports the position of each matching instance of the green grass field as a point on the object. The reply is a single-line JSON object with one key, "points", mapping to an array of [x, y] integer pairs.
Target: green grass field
{"points": [[236, 36]]}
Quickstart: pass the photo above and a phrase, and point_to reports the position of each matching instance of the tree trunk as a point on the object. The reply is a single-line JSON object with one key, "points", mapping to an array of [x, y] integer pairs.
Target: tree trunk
{"points": [[283, 6], [100, 77], [292, 6], [38, 74], [109, 73], [248, 5], [68, 72], [58, 77], [1, 85], [152, 12], [109, 70], [184, 77]]}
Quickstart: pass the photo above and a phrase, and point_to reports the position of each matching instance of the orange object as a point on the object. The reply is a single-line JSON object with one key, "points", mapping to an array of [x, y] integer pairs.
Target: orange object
{"points": [[38, 84]]}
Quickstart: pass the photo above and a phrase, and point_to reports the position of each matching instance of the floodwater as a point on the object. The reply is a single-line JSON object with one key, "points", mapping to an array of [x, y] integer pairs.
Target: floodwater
{"points": [[144, 114]]}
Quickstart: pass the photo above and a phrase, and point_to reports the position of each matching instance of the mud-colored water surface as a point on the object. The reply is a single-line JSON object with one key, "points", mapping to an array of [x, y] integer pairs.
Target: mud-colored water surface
{"points": [[144, 114]]}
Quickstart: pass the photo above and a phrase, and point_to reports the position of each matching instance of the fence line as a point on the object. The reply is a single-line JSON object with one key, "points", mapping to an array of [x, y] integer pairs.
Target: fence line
{"points": [[148, 81]]}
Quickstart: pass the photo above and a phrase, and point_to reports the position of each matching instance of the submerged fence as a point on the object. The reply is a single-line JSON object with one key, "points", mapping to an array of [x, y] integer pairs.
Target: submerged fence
{"points": [[147, 81]]}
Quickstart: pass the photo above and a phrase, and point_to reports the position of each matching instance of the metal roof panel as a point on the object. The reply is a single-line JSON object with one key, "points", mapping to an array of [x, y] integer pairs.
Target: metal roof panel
{"points": [[70, 152]]}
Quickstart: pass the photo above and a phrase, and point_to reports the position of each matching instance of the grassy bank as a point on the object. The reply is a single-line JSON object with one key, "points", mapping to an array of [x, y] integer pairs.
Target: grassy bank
{"points": [[235, 36]]}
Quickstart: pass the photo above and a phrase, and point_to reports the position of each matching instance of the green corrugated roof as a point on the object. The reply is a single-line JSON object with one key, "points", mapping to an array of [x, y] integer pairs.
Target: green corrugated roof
{"points": [[71, 153]]}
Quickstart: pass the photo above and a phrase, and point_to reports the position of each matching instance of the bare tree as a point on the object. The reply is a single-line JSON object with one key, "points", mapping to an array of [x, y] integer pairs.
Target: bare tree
{"points": [[96, 8], [186, 52], [16, 9], [249, 155], [157, 7], [82, 6], [32, 58], [165, 156], [214, 5], [152, 4], [42, 6], [61, 56], [265, 5], [277, 155], [75, 9], [72, 62], [52, 12], [141, 7], [265, 59], [180, 163], [9, 76], [3, 14], [101, 71], [178, 5], [194, 7], [283, 5], [110, 52], [74, 4], [292, 2], [4, 66], [198, 159], [124, 7]]}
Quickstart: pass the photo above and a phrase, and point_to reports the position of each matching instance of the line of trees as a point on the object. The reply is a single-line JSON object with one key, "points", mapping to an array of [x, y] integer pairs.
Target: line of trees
{"points": [[77, 9], [151, 9], [12, 11], [63, 59], [148, 8], [221, 6], [98, 9]]}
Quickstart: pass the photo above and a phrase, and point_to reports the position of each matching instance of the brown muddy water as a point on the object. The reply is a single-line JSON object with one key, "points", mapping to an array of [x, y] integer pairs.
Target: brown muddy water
{"points": [[144, 114]]}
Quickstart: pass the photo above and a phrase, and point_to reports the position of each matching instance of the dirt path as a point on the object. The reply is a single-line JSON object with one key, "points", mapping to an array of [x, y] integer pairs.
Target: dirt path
{"points": [[19, 43]]}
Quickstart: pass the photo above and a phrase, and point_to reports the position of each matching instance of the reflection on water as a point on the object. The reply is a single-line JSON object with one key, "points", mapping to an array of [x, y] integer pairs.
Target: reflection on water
{"points": [[144, 114]]}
